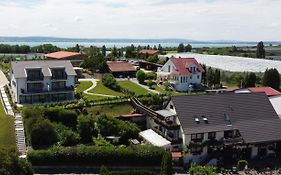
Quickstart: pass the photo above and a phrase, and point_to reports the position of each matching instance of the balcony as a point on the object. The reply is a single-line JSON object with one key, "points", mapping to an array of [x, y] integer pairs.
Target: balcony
{"points": [[35, 78], [60, 76], [231, 141], [42, 91]]}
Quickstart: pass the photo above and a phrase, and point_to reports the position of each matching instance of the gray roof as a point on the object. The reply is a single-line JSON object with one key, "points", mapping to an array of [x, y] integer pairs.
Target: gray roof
{"points": [[252, 114], [18, 67]]}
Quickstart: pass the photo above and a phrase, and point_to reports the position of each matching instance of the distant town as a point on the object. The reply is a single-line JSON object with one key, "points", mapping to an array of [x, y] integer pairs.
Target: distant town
{"points": [[140, 109]]}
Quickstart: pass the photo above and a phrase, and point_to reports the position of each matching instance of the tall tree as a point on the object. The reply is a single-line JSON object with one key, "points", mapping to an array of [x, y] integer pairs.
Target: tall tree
{"points": [[188, 48], [271, 77], [204, 78], [210, 77], [180, 48], [160, 48], [250, 80], [103, 50], [217, 77], [77, 48], [260, 50], [114, 52]]}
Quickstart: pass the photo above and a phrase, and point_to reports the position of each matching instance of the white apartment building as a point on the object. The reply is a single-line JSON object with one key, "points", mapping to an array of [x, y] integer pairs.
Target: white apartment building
{"points": [[42, 81]]}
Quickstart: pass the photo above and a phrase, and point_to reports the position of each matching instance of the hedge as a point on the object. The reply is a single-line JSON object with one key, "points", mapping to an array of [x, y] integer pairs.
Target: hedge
{"points": [[141, 155], [133, 172]]}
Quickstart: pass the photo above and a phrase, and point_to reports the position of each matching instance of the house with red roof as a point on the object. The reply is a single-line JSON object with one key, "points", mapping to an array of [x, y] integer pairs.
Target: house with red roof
{"points": [[182, 73], [121, 69], [149, 52], [75, 57]]}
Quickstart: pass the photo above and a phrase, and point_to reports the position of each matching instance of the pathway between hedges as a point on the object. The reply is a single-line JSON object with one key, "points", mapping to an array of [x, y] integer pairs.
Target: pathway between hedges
{"points": [[94, 84]]}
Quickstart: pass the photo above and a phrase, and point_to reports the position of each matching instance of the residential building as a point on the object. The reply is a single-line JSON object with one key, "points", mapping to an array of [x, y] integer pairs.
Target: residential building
{"points": [[75, 57], [225, 125], [121, 69], [149, 52], [182, 73], [42, 81]]}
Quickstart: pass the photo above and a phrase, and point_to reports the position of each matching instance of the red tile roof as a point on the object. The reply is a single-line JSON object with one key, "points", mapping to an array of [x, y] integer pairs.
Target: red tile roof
{"points": [[150, 52], [120, 66], [182, 65], [176, 154], [62, 54], [267, 90]]}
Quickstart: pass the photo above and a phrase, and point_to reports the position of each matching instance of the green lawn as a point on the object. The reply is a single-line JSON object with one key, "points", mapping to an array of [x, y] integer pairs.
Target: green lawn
{"points": [[133, 87], [101, 89], [7, 132], [114, 110], [83, 86]]}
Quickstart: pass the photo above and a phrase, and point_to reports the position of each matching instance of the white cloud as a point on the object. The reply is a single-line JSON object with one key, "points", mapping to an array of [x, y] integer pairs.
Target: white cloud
{"points": [[194, 19]]}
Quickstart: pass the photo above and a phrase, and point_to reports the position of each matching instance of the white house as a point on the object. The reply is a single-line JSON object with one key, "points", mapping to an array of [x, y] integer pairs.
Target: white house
{"points": [[226, 125], [42, 81], [181, 73]]}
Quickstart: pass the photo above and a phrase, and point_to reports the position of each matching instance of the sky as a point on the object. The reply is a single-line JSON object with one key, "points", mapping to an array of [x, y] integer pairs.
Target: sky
{"points": [[245, 20]]}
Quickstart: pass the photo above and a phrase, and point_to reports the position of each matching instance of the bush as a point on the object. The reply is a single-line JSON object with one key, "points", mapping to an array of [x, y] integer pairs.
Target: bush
{"points": [[202, 170], [241, 164], [67, 117], [109, 81], [166, 165], [150, 76], [109, 126], [86, 128], [140, 76], [150, 84], [145, 155], [10, 163], [43, 134]]}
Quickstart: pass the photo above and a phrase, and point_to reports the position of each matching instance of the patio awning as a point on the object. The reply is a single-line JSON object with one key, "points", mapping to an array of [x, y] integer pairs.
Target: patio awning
{"points": [[3, 80], [155, 139]]}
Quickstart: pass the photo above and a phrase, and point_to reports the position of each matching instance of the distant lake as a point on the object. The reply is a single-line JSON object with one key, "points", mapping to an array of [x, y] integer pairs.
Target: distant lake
{"points": [[124, 44]]}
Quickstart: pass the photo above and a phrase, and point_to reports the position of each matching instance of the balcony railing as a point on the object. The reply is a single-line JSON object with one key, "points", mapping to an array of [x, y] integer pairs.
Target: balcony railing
{"points": [[35, 78], [230, 141], [62, 76], [39, 91]]}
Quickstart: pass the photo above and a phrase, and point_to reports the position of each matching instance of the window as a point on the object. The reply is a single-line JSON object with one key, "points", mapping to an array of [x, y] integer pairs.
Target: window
{"points": [[211, 135], [228, 134], [198, 136], [198, 76], [171, 107], [196, 150], [169, 68], [191, 77]]}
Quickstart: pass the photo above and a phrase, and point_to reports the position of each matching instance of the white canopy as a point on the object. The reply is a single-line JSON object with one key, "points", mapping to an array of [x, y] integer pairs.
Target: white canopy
{"points": [[155, 139], [3, 80], [276, 103]]}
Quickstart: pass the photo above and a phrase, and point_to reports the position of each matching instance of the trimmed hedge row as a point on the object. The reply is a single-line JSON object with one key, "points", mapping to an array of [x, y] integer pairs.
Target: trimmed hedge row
{"points": [[141, 155], [133, 172]]}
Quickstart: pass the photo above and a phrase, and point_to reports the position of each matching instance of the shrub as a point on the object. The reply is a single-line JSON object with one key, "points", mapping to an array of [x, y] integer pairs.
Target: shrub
{"points": [[241, 164], [202, 170], [150, 76], [43, 134], [86, 128], [145, 155], [109, 81], [150, 84], [109, 126], [140, 76], [166, 165], [10, 163], [67, 117]]}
